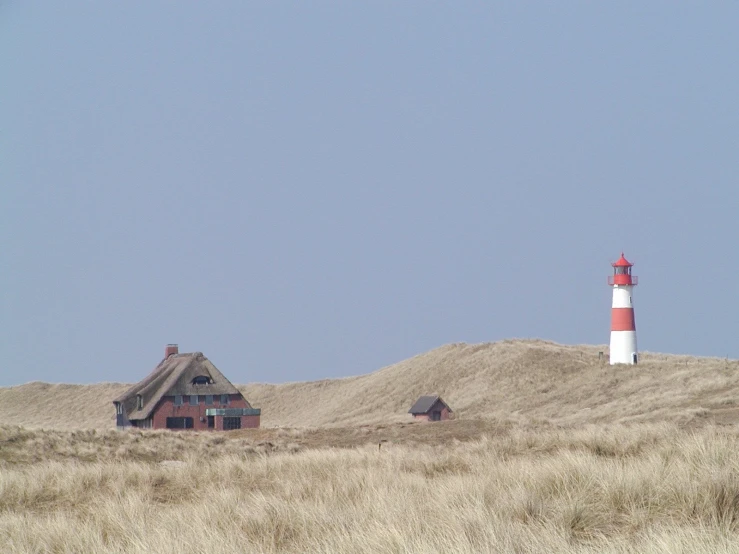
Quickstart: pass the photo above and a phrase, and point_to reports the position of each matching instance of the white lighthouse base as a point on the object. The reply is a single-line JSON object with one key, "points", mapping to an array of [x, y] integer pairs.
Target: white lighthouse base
{"points": [[623, 347]]}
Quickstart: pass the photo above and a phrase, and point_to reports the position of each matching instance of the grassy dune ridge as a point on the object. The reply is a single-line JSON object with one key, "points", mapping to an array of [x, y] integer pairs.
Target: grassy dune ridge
{"points": [[523, 381]]}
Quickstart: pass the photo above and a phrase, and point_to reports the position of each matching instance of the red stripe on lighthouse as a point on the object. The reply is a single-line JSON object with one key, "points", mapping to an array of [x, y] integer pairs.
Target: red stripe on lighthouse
{"points": [[622, 319]]}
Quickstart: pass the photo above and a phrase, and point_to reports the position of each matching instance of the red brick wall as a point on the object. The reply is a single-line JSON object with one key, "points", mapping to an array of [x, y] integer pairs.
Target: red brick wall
{"points": [[166, 408]]}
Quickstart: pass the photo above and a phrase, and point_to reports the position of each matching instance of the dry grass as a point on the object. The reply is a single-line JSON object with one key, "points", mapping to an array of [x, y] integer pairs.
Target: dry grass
{"points": [[19, 445], [39, 405], [550, 452], [643, 488], [520, 381]]}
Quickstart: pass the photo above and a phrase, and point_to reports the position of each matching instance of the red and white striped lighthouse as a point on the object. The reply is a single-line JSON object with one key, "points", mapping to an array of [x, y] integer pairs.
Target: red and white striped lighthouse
{"points": [[623, 328]]}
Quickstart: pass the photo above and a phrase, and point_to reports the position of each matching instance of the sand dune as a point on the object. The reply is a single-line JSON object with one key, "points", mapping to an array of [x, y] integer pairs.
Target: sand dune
{"points": [[521, 381]]}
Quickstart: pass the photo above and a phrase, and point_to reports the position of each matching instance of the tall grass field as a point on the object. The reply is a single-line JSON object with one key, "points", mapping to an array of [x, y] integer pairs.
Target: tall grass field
{"points": [[645, 488], [550, 451]]}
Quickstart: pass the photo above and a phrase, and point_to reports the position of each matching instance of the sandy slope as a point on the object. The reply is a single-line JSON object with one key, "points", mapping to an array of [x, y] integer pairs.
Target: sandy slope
{"points": [[527, 381]]}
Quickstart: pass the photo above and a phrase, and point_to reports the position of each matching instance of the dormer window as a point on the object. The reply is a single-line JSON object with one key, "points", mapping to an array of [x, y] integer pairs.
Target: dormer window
{"points": [[202, 380], [139, 402]]}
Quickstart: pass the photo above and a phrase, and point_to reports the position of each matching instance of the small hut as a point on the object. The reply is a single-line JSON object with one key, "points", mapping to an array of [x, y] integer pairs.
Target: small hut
{"points": [[430, 408]]}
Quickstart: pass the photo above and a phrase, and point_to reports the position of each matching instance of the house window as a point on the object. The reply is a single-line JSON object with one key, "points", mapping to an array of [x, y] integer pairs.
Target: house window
{"points": [[435, 416], [193, 400], [139, 402], [118, 408], [231, 423], [179, 423], [211, 422], [208, 399], [224, 399], [201, 380], [178, 400]]}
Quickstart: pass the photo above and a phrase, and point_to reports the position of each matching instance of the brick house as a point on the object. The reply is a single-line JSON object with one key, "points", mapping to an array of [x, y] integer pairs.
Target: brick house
{"points": [[430, 408], [185, 391]]}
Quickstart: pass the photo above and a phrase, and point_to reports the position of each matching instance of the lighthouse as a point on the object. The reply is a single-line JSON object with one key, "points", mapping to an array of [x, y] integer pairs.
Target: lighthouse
{"points": [[623, 328]]}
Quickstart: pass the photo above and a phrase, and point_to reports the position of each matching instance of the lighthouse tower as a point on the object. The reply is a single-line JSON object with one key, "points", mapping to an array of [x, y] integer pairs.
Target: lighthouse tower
{"points": [[623, 328]]}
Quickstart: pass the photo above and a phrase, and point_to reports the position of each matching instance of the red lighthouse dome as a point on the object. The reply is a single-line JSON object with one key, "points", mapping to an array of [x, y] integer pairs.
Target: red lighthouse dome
{"points": [[622, 273]]}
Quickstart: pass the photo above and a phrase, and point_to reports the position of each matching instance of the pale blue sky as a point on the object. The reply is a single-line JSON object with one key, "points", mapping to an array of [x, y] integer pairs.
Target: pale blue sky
{"points": [[304, 190]]}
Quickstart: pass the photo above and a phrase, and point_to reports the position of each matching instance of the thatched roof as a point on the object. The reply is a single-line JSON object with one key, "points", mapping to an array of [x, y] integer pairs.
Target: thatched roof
{"points": [[424, 404], [174, 376]]}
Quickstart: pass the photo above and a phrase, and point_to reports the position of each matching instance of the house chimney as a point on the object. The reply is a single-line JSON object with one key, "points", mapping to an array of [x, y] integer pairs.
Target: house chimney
{"points": [[170, 349]]}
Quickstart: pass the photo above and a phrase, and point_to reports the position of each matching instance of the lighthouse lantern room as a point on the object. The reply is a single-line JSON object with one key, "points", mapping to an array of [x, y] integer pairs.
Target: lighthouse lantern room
{"points": [[623, 328]]}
